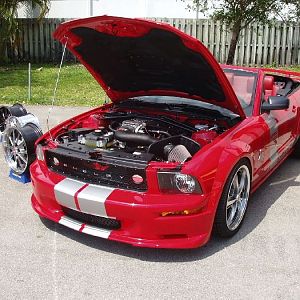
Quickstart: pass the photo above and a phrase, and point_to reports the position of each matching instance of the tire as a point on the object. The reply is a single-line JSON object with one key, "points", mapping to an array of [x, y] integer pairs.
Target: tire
{"points": [[18, 145], [296, 152], [233, 203]]}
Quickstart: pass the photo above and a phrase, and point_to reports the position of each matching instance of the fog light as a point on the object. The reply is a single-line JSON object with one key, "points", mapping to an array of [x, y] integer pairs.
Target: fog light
{"points": [[181, 212], [40, 153]]}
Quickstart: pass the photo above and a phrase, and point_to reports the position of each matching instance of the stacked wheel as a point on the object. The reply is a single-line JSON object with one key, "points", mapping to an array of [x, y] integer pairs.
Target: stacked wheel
{"points": [[18, 144], [17, 110], [20, 132]]}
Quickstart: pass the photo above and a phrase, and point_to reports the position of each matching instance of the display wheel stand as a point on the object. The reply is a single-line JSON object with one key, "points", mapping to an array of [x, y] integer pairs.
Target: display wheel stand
{"points": [[23, 178]]}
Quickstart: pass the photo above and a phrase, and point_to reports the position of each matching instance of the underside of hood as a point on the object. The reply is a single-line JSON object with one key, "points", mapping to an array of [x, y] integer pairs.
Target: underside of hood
{"points": [[133, 57]]}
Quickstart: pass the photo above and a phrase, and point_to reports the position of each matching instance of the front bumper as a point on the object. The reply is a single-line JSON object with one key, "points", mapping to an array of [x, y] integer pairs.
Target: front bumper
{"points": [[139, 213]]}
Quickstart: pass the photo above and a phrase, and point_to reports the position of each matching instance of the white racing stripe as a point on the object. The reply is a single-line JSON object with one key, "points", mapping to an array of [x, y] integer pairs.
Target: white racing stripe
{"points": [[71, 223], [91, 200], [88, 229], [100, 232], [65, 191], [78, 195]]}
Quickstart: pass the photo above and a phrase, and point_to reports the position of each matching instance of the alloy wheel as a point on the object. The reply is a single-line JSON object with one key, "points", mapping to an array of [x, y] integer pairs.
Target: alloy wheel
{"points": [[15, 150], [237, 198]]}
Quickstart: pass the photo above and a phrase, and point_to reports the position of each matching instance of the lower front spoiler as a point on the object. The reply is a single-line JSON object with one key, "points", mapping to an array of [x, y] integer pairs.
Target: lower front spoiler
{"points": [[175, 242]]}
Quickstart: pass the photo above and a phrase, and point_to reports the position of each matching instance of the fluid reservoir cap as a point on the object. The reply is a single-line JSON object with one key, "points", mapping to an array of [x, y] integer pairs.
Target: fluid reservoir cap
{"points": [[99, 131], [201, 127]]}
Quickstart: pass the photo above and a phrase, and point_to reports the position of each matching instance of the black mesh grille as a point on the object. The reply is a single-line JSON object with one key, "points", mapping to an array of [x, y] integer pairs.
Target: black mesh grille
{"points": [[92, 220], [91, 171]]}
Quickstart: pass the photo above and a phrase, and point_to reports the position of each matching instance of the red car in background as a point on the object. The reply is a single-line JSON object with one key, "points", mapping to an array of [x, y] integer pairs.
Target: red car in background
{"points": [[181, 146]]}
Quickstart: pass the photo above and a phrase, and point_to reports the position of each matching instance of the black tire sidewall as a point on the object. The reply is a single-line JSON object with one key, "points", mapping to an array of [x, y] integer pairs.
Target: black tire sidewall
{"points": [[220, 225]]}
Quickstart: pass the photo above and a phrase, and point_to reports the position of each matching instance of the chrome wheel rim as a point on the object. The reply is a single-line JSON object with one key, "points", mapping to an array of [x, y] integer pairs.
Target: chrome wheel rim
{"points": [[15, 150], [237, 198]]}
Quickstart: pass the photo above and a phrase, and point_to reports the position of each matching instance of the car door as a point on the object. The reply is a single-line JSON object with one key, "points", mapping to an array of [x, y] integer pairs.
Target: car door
{"points": [[282, 125], [270, 149]]}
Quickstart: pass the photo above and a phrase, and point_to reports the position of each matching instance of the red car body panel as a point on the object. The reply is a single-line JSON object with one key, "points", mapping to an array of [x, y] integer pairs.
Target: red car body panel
{"points": [[264, 139]]}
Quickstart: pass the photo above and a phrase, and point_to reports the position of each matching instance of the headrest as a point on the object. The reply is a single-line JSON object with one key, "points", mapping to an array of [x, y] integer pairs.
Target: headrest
{"points": [[268, 83]]}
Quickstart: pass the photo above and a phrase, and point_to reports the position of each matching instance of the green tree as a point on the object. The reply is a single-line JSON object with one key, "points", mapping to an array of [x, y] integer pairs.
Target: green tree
{"points": [[238, 14], [8, 20]]}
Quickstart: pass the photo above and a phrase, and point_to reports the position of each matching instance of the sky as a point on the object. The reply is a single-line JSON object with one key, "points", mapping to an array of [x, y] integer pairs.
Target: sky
{"points": [[123, 8]]}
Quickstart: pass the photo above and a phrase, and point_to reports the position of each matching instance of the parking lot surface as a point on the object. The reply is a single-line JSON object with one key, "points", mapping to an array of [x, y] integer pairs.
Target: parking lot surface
{"points": [[43, 260]]}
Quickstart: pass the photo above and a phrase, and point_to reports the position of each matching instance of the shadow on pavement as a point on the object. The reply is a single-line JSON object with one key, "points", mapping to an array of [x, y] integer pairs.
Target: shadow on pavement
{"points": [[283, 178]]}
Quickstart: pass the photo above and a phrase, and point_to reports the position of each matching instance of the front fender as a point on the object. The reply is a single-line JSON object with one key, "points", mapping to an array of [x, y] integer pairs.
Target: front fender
{"points": [[214, 166], [228, 159]]}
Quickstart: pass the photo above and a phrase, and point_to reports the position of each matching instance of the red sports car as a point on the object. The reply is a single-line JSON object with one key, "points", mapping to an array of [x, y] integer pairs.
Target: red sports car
{"points": [[179, 149]]}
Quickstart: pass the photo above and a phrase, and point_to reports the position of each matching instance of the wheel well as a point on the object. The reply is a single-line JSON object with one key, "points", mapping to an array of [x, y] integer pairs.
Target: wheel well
{"points": [[249, 164]]}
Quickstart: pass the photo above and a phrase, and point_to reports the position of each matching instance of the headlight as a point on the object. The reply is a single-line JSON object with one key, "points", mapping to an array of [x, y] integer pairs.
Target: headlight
{"points": [[185, 183], [174, 182], [39, 152]]}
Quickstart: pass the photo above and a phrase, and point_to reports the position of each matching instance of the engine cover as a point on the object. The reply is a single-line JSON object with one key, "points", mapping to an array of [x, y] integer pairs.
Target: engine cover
{"points": [[133, 126]]}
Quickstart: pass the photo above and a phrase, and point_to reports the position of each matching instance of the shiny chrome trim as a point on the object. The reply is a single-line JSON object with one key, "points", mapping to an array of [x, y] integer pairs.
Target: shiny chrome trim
{"points": [[237, 198]]}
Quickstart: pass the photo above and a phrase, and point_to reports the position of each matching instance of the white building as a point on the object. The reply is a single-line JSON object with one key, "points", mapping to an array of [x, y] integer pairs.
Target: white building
{"points": [[122, 8]]}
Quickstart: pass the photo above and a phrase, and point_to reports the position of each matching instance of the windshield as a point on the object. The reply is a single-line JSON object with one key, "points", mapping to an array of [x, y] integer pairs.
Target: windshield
{"points": [[243, 83]]}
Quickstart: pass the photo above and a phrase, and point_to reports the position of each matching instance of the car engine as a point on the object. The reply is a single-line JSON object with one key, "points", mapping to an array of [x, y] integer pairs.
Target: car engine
{"points": [[116, 149], [137, 137]]}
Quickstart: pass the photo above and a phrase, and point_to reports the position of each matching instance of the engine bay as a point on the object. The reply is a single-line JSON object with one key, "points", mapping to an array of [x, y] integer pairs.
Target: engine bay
{"points": [[138, 137], [114, 145]]}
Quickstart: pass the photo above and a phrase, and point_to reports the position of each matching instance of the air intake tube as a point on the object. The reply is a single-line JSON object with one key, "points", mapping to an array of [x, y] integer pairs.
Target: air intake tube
{"points": [[132, 138]]}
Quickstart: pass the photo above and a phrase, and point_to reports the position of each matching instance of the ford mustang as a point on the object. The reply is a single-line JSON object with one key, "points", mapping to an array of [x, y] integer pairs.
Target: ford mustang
{"points": [[179, 149]]}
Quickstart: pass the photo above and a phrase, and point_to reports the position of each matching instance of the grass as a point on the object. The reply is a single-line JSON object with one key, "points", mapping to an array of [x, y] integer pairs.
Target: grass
{"points": [[291, 68], [76, 87], [294, 68]]}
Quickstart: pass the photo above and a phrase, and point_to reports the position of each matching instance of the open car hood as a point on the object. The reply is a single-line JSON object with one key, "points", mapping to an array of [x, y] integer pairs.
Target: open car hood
{"points": [[133, 57]]}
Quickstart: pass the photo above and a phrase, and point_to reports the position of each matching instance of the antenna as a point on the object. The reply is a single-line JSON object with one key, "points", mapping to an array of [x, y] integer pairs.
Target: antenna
{"points": [[56, 86]]}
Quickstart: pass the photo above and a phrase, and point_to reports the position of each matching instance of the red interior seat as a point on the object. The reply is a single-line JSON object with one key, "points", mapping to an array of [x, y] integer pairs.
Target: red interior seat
{"points": [[270, 88]]}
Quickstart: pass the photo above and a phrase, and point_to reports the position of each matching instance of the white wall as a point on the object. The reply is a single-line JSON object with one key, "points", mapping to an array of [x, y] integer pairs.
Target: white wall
{"points": [[123, 8]]}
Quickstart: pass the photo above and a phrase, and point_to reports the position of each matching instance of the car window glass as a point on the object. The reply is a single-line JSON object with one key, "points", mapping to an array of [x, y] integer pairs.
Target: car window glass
{"points": [[243, 83]]}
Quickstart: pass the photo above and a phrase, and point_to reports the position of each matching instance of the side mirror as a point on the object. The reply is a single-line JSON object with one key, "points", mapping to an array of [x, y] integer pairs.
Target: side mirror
{"points": [[276, 103]]}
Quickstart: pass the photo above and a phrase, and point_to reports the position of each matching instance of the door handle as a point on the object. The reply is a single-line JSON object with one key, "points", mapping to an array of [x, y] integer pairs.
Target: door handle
{"points": [[294, 108]]}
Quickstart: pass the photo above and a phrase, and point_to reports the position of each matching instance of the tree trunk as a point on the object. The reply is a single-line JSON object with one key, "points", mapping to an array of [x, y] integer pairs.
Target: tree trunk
{"points": [[233, 43], [3, 40], [3, 57]]}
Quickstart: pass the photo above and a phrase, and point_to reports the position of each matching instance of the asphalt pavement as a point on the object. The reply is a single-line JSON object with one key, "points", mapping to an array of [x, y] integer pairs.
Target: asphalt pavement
{"points": [[43, 260]]}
